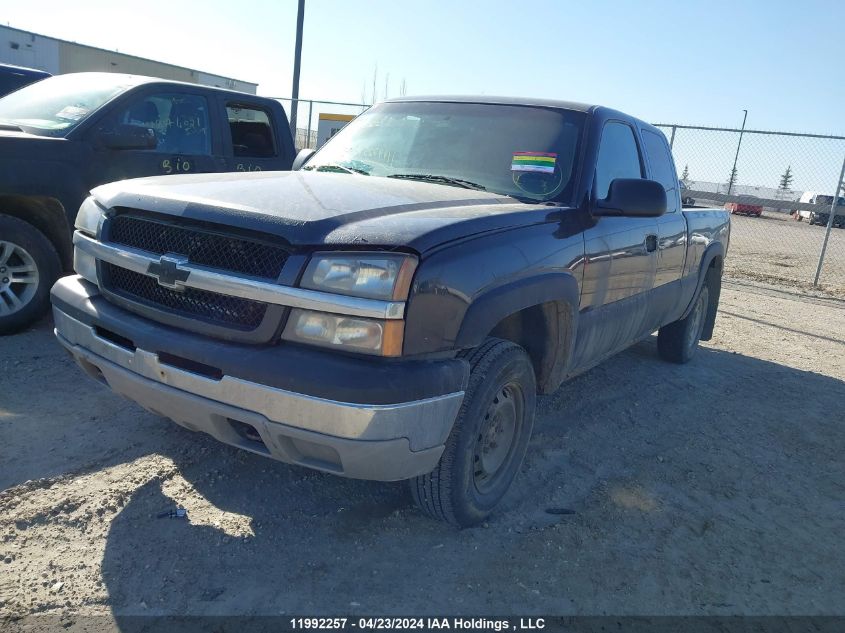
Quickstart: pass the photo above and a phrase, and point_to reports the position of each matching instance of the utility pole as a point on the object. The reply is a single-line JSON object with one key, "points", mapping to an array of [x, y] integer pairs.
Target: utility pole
{"points": [[297, 59], [738, 145]]}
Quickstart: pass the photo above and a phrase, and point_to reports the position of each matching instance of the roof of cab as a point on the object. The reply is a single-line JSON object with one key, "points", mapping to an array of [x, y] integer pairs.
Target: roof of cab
{"points": [[528, 101], [588, 108], [24, 71], [138, 80]]}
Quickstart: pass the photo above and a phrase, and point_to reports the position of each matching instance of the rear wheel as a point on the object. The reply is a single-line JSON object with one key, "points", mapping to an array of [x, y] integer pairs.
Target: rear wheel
{"points": [[678, 341], [488, 441], [28, 267]]}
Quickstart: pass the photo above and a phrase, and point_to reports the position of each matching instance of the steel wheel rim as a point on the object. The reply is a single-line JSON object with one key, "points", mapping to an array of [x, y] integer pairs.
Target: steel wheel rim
{"points": [[18, 278], [496, 439], [697, 324]]}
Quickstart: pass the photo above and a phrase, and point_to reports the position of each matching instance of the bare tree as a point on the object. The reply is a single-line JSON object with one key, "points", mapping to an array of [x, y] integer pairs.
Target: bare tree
{"points": [[375, 79], [372, 97]]}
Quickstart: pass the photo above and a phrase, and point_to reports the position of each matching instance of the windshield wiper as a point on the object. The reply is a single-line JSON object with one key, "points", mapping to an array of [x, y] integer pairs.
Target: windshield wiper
{"points": [[11, 126], [446, 180], [348, 170]]}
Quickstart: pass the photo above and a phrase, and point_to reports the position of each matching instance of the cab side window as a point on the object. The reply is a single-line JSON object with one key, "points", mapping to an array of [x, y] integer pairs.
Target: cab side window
{"points": [[180, 122], [662, 167], [252, 134], [618, 157]]}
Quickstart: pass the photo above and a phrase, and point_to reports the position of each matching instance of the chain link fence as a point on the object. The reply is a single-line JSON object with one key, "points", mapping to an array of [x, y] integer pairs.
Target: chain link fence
{"points": [[781, 188], [309, 112]]}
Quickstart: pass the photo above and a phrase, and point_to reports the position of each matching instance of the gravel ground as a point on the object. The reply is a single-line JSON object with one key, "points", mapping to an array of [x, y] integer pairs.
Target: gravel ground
{"points": [[649, 488], [775, 249]]}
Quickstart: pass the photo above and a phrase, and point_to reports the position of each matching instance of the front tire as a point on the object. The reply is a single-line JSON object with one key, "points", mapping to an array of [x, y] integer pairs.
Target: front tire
{"points": [[678, 341], [29, 264], [488, 441]]}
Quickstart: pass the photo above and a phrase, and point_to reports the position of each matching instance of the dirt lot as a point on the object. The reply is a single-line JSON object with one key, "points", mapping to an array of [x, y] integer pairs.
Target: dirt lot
{"points": [[775, 248], [712, 488]]}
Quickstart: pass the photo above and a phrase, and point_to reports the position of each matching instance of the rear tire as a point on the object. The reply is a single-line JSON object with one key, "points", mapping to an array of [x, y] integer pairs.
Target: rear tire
{"points": [[678, 341], [29, 265], [488, 441]]}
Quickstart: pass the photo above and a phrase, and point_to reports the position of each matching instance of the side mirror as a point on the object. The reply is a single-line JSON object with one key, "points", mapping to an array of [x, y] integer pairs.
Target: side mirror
{"points": [[635, 197], [129, 137], [301, 158]]}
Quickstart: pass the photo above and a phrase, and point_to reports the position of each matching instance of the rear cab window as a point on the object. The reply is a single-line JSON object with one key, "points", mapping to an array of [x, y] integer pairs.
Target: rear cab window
{"points": [[662, 167], [251, 131]]}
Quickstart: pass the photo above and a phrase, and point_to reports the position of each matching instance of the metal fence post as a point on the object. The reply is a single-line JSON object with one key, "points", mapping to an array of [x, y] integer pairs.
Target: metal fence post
{"points": [[672, 139], [310, 113], [830, 221], [736, 157]]}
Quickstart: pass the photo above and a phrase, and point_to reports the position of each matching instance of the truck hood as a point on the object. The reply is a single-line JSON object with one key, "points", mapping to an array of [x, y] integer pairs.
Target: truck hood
{"points": [[309, 208], [16, 145]]}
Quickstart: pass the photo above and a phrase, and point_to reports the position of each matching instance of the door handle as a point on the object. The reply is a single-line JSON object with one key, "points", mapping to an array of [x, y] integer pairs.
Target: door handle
{"points": [[650, 243]]}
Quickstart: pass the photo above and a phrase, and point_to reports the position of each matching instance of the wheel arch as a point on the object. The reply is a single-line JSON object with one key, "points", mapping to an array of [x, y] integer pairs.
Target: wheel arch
{"points": [[47, 215], [713, 259], [537, 313]]}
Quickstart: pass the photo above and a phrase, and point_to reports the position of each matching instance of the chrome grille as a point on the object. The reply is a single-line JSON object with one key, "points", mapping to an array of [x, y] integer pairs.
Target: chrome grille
{"points": [[200, 245]]}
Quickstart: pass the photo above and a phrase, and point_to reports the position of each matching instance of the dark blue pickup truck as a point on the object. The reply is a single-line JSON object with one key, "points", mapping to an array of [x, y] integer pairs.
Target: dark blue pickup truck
{"points": [[63, 136], [391, 308]]}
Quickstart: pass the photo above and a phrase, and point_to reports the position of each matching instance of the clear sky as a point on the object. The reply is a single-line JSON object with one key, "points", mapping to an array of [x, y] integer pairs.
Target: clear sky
{"points": [[682, 61]]}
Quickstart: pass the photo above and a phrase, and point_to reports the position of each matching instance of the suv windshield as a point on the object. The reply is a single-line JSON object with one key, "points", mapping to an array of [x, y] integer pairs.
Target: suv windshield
{"points": [[522, 151], [54, 106]]}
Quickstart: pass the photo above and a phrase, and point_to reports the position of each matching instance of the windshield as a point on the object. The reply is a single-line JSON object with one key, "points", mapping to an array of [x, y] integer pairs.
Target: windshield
{"points": [[522, 151], [54, 106]]}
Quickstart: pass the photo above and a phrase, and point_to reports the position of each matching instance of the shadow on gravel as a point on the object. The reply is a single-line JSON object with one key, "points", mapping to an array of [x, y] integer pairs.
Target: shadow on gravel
{"points": [[51, 414], [648, 488]]}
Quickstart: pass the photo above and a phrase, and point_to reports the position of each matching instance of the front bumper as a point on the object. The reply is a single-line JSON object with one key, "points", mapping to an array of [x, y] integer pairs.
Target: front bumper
{"points": [[385, 441]]}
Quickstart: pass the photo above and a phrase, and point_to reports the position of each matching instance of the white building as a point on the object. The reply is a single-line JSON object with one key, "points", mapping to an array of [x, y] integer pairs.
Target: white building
{"points": [[57, 57]]}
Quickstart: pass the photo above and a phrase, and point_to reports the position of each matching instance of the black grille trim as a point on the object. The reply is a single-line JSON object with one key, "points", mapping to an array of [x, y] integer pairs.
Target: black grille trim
{"points": [[200, 244], [219, 309]]}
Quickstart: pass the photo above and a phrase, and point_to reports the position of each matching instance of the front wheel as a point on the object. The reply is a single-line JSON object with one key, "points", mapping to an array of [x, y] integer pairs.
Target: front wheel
{"points": [[488, 441], [28, 267]]}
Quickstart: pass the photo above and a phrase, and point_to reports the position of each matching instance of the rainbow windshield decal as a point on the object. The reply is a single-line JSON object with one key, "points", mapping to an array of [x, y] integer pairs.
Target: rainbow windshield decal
{"points": [[534, 161]]}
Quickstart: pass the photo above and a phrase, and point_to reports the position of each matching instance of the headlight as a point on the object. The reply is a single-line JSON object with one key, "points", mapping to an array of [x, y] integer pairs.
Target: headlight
{"points": [[368, 336], [385, 276], [89, 216]]}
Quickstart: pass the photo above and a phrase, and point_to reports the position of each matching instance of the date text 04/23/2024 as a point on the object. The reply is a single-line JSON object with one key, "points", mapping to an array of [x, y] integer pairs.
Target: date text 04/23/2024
{"points": [[410, 624]]}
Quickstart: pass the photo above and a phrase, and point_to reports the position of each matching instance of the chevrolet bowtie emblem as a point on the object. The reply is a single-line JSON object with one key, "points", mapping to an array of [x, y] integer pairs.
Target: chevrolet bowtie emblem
{"points": [[167, 271]]}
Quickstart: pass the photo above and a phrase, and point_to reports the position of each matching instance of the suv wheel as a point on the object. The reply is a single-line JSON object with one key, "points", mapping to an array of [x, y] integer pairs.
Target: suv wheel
{"points": [[488, 441], [28, 267]]}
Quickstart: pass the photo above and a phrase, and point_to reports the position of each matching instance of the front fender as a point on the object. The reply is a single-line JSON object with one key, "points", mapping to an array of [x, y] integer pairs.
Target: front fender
{"points": [[462, 291]]}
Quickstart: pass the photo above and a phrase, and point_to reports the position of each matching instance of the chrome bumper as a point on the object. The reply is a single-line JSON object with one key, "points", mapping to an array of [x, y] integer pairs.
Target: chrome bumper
{"points": [[382, 442]]}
